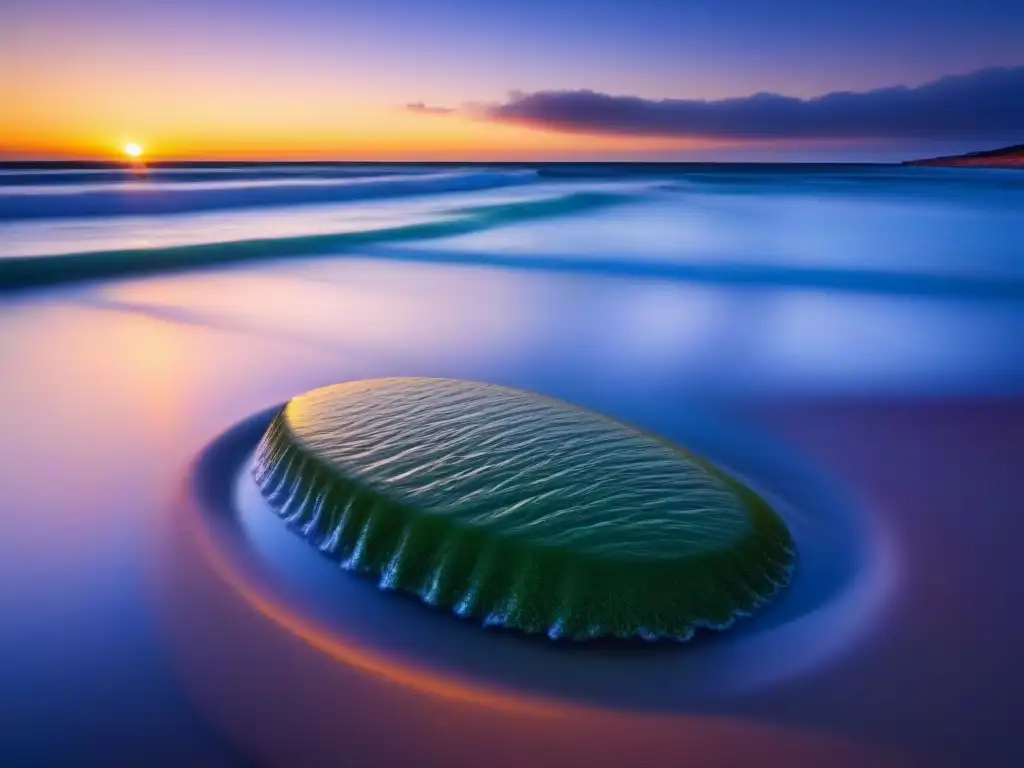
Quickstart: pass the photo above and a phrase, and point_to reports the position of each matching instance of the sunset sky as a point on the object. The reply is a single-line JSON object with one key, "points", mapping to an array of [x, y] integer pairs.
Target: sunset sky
{"points": [[533, 79]]}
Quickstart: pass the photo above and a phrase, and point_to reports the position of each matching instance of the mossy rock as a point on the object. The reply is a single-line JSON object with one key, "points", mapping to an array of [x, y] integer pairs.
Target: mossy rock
{"points": [[520, 510]]}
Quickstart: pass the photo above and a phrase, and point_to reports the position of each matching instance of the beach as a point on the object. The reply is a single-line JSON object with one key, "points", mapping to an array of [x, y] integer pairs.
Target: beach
{"points": [[848, 337]]}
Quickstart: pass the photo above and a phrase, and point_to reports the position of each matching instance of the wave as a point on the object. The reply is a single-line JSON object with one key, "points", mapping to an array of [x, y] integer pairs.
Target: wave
{"points": [[121, 174], [21, 272], [738, 273], [145, 199], [389, 244]]}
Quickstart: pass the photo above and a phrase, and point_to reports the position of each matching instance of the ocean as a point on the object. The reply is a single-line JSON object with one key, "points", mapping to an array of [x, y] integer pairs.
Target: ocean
{"points": [[849, 339]]}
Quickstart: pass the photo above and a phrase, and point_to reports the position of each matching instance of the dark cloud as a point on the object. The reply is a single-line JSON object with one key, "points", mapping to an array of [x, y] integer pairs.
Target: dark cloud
{"points": [[986, 103], [424, 109]]}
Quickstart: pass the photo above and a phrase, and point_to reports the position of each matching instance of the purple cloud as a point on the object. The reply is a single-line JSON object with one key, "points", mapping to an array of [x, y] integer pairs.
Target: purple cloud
{"points": [[988, 103], [425, 109]]}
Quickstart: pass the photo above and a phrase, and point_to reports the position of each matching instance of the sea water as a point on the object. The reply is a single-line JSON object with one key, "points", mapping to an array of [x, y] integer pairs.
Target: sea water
{"points": [[862, 326]]}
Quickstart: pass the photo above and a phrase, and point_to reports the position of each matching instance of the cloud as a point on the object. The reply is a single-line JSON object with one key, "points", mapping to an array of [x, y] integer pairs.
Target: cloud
{"points": [[424, 109], [986, 103]]}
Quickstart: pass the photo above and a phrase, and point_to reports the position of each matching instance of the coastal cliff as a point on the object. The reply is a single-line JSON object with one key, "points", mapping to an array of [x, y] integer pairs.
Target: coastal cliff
{"points": [[1006, 157]]}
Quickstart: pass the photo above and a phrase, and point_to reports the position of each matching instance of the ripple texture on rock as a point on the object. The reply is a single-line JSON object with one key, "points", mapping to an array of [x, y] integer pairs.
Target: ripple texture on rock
{"points": [[520, 510]]}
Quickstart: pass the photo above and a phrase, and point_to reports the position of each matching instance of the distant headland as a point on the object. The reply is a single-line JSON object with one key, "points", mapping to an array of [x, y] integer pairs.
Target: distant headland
{"points": [[1007, 157]]}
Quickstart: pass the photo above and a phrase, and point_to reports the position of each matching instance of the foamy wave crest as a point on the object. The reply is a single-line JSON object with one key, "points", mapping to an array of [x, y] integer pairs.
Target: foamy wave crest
{"points": [[19, 272], [10, 177], [158, 198]]}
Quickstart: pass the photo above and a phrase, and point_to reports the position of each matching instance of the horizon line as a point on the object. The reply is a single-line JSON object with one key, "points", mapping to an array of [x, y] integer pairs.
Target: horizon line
{"points": [[22, 163]]}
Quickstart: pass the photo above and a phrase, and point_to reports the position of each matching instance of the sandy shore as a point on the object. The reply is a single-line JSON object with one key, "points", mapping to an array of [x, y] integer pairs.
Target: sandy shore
{"points": [[127, 643]]}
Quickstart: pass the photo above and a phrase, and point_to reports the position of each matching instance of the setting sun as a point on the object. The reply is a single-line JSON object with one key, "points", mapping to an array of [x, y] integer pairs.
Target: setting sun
{"points": [[132, 149]]}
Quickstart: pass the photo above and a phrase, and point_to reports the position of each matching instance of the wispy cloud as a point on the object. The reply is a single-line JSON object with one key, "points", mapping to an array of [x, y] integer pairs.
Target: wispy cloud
{"points": [[425, 109], [988, 103]]}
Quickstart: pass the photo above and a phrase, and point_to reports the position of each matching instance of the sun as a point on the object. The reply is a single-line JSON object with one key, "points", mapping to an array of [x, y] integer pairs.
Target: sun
{"points": [[132, 149]]}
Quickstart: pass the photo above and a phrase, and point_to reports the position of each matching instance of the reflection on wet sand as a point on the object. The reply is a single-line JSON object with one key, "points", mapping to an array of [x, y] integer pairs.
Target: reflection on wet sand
{"points": [[281, 688], [338, 673], [121, 402]]}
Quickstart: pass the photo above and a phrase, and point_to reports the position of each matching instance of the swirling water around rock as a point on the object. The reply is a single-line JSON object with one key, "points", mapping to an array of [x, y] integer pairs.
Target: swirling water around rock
{"points": [[844, 579], [521, 511]]}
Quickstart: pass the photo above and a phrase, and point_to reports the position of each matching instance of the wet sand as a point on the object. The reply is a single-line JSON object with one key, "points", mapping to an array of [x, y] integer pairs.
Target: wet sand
{"points": [[122, 635]]}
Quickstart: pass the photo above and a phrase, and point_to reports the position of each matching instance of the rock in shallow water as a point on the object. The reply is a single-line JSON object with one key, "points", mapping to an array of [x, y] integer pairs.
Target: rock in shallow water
{"points": [[520, 510]]}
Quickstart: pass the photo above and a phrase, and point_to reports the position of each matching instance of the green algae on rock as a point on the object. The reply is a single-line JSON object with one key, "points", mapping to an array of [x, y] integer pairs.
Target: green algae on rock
{"points": [[520, 510]]}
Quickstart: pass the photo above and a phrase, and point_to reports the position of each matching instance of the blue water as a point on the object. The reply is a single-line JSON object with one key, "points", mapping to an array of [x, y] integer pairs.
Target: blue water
{"points": [[841, 272], [862, 326], [868, 229]]}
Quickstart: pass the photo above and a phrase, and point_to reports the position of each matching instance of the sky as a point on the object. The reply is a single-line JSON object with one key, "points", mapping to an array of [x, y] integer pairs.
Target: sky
{"points": [[524, 80]]}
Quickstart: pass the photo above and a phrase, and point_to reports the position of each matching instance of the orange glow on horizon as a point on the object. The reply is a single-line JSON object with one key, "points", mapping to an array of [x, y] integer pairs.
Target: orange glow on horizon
{"points": [[416, 138], [62, 118], [214, 106]]}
